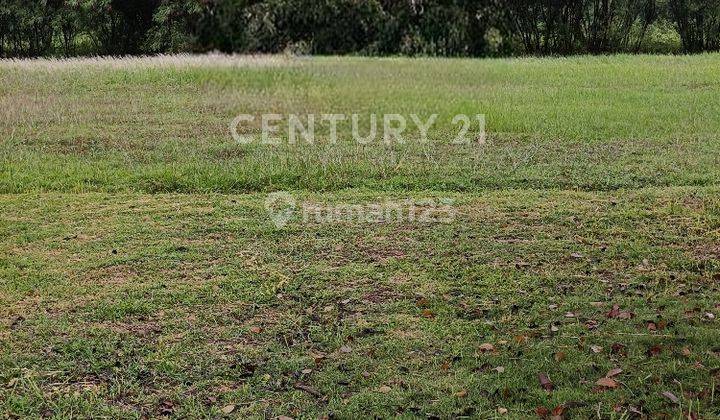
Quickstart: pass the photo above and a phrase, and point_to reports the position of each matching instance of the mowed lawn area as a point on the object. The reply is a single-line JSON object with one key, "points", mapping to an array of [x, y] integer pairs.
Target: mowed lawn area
{"points": [[141, 274]]}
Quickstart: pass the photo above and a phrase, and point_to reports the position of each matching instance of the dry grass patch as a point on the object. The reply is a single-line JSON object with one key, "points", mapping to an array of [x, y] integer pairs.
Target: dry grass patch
{"points": [[150, 62]]}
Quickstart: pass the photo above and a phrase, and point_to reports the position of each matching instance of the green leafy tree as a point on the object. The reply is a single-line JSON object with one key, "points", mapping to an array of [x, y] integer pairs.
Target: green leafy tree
{"points": [[698, 22]]}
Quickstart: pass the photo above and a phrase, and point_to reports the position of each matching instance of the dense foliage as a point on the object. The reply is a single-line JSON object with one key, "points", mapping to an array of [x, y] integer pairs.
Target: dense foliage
{"points": [[376, 27]]}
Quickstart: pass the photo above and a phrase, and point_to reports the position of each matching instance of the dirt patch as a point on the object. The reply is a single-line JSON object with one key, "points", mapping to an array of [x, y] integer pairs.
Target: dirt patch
{"points": [[707, 252], [112, 275], [372, 292], [138, 328]]}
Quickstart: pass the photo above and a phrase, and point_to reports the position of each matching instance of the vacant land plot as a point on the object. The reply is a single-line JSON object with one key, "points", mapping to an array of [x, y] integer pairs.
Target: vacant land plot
{"points": [[141, 275]]}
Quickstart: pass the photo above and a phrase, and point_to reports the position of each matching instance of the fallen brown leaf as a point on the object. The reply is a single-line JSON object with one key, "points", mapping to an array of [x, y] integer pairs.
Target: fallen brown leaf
{"points": [[310, 390], [521, 339], [318, 357], [670, 396], [486, 348], [618, 349], [615, 312], [228, 409], [654, 350], [613, 372], [545, 382], [607, 383], [462, 393], [626, 315]]}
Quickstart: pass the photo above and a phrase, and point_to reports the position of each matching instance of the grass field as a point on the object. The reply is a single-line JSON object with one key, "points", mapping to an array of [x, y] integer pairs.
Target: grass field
{"points": [[141, 275]]}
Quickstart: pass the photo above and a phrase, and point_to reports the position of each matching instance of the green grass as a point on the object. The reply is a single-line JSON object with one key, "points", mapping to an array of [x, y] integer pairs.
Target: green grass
{"points": [[590, 123], [140, 274]]}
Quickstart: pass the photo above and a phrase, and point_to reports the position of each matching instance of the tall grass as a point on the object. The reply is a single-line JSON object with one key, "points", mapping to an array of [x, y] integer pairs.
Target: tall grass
{"points": [[148, 62]]}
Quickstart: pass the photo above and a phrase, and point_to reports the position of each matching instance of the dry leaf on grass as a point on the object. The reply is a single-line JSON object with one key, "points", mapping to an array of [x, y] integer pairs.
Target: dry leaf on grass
{"points": [[545, 382], [618, 349], [318, 357], [613, 372], [462, 393], [654, 350], [310, 390], [615, 312], [607, 383], [670, 396], [558, 413], [486, 348]]}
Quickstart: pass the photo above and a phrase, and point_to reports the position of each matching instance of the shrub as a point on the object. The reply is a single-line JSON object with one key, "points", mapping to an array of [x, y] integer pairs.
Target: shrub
{"points": [[661, 38]]}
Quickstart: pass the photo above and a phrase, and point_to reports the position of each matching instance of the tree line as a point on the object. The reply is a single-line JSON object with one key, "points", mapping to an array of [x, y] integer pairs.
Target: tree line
{"points": [[372, 27]]}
